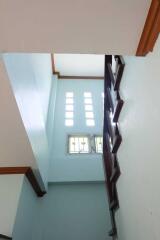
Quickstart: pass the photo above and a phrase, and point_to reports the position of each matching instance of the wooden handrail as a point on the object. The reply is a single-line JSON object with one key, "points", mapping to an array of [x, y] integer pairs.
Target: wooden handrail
{"points": [[119, 72], [111, 136], [117, 110], [28, 173]]}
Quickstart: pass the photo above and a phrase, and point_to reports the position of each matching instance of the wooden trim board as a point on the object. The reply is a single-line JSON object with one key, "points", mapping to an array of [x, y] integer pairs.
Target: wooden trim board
{"points": [[29, 174], [151, 30], [72, 77]]}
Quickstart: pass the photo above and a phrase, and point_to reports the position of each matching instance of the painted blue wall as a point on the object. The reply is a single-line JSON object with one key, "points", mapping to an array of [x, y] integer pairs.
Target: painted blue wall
{"points": [[32, 81], [26, 213], [36, 91], [73, 211], [41, 64], [51, 112], [68, 211], [87, 167]]}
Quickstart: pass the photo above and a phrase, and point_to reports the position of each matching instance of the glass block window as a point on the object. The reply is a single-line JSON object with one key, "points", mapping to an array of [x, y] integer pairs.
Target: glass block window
{"points": [[88, 106], [69, 109]]}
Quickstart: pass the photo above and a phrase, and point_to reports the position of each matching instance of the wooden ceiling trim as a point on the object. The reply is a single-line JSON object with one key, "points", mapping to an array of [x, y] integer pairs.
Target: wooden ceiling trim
{"points": [[151, 30], [72, 77]]}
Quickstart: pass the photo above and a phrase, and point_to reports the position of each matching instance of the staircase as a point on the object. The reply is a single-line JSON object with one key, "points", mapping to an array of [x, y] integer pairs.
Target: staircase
{"points": [[114, 67]]}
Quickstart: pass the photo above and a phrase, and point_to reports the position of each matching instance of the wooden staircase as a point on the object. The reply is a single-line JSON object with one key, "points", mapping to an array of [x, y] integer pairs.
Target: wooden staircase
{"points": [[111, 135]]}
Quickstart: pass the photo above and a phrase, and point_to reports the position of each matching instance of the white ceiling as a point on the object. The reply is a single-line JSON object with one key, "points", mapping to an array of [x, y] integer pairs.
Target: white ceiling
{"points": [[73, 26], [79, 64]]}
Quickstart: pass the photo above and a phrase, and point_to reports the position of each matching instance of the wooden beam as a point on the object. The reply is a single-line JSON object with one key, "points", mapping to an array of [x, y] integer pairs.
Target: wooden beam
{"points": [[53, 63], [53, 66], [151, 30], [81, 77], [29, 174]]}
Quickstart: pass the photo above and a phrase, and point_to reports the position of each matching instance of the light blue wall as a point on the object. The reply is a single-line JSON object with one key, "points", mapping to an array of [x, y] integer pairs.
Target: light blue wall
{"points": [[67, 211], [32, 71], [41, 64], [31, 79], [64, 167], [73, 211], [51, 112], [26, 213]]}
